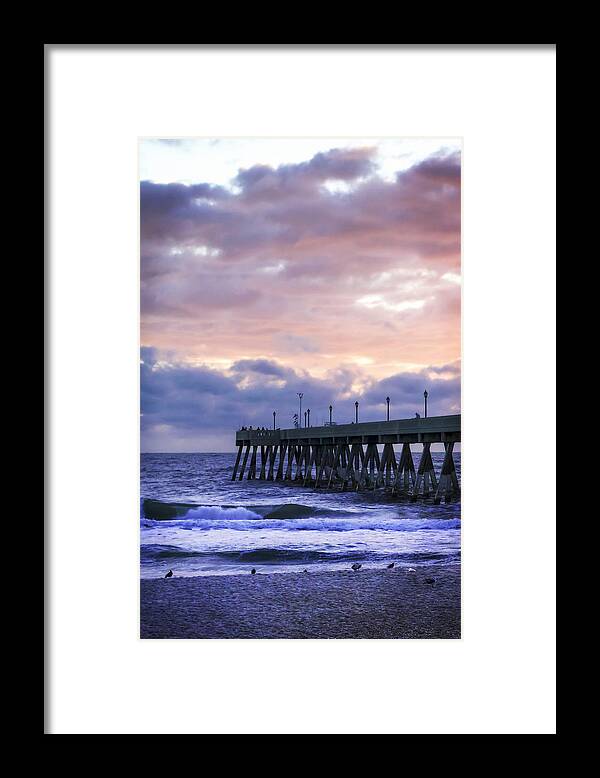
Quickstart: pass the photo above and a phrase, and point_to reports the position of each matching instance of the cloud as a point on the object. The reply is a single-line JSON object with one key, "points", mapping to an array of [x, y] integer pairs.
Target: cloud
{"points": [[279, 260], [276, 208], [262, 182], [261, 366], [196, 407]]}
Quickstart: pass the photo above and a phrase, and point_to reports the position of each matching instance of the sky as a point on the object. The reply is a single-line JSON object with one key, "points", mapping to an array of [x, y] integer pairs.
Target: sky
{"points": [[270, 267]]}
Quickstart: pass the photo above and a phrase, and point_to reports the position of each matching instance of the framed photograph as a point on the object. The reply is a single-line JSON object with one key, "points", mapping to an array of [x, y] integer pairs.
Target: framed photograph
{"points": [[297, 296]]}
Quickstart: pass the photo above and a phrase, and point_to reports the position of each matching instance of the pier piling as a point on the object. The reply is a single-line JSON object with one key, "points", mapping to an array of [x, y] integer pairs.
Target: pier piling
{"points": [[359, 456]]}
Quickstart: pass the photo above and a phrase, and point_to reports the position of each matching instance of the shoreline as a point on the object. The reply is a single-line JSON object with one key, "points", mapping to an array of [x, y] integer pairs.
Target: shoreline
{"points": [[367, 604]]}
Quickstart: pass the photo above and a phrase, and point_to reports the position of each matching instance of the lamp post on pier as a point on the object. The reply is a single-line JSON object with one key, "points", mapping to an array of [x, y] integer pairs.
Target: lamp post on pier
{"points": [[308, 416], [387, 399], [300, 395], [330, 409], [356, 411], [274, 412], [305, 418], [425, 398]]}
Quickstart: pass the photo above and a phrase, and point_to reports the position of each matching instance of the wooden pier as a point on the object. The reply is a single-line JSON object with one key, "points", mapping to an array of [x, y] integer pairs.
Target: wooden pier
{"points": [[355, 456]]}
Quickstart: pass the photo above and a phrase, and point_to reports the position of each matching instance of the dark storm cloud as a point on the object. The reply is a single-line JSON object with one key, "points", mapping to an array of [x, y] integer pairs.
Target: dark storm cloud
{"points": [[192, 402], [262, 181], [169, 211], [263, 366], [443, 168], [406, 389], [278, 208]]}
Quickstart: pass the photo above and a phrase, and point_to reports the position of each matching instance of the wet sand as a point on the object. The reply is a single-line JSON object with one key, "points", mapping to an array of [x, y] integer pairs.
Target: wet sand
{"points": [[368, 603]]}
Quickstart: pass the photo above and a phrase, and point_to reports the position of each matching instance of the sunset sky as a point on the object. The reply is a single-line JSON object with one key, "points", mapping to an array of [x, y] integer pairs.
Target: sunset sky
{"points": [[275, 266]]}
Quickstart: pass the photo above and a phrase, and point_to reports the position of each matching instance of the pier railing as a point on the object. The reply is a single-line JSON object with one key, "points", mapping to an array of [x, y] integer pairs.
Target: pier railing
{"points": [[259, 436], [433, 429]]}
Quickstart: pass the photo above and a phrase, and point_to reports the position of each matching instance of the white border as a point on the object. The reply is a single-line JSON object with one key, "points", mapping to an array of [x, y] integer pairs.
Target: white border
{"points": [[499, 678]]}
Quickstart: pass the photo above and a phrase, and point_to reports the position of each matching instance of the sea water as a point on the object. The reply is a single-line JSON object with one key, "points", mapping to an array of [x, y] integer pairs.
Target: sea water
{"points": [[224, 530]]}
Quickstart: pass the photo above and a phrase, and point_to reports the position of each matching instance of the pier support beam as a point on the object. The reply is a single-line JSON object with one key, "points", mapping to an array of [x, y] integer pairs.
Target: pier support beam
{"points": [[367, 472], [312, 460], [325, 464], [237, 462], [383, 465], [448, 483], [353, 466], [388, 465], [290, 453], [425, 474], [405, 472], [299, 462], [307, 463], [280, 466], [272, 458], [246, 452], [335, 466], [264, 450], [252, 468]]}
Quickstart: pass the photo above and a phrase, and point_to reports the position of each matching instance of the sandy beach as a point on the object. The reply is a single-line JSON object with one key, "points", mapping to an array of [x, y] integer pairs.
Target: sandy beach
{"points": [[370, 603]]}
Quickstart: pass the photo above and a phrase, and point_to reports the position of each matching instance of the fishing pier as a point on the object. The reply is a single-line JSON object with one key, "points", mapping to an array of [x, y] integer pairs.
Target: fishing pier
{"points": [[359, 456]]}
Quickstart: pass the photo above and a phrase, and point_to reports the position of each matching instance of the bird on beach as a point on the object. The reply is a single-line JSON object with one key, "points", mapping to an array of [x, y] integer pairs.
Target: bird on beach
{"points": [[430, 580], [253, 571], [169, 574], [356, 566], [305, 571], [389, 567]]}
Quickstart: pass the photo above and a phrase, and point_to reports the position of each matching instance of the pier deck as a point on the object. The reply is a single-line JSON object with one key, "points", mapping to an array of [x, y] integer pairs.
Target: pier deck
{"points": [[434, 429]]}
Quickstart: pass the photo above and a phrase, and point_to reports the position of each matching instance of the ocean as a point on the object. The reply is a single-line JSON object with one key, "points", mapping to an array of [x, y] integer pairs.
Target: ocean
{"points": [[222, 529]]}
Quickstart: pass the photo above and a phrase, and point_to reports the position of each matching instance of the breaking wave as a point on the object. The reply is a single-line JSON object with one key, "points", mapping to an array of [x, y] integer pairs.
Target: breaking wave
{"points": [[209, 517]]}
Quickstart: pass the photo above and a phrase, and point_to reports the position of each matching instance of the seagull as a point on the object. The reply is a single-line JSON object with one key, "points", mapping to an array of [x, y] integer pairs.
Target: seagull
{"points": [[430, 580], [169, 574], [305, 571], [389, 567], [253, 571], [356, 566]]}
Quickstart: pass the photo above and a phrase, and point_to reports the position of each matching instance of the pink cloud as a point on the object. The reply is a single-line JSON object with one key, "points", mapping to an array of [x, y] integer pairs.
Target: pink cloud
{"points": [[279, 266]]}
